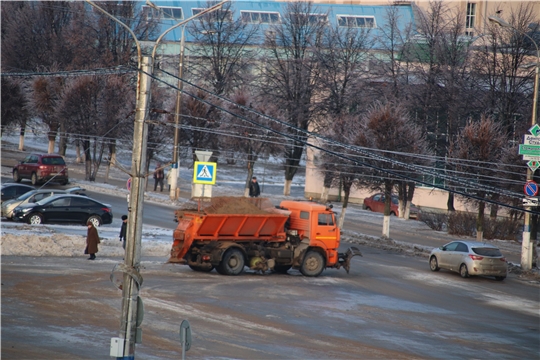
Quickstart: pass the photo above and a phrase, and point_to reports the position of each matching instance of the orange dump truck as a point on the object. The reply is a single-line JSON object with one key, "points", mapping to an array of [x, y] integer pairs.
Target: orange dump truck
{"points": [[230, 233]]}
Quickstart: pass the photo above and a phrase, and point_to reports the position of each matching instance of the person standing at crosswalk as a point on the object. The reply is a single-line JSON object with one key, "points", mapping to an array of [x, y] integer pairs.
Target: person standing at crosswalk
{"points": [[254, 189]]}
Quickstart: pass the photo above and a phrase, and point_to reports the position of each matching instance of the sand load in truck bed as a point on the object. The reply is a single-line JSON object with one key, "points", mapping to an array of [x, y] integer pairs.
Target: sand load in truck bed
{"points": [[231, 205]]}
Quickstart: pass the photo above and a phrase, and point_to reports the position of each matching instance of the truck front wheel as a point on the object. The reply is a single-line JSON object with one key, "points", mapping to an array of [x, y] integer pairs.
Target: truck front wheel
{"points": [[232, 263], [313, 264]]}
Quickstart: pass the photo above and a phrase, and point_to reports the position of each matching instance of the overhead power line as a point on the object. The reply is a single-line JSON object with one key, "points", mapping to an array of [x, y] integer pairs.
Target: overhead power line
{"points": [[69, 73], [308, 134]]}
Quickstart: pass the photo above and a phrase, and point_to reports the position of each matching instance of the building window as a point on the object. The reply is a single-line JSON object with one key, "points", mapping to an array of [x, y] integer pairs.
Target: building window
{"points": [[471, 14], [256, 17], [311, 18], [356, 21], [164, 12], [225, 15]]}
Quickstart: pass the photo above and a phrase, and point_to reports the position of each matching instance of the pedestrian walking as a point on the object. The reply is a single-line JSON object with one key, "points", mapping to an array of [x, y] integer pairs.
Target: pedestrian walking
{"points": [[254, 190], [123, 230], [169, 179], [158, 177], [92, 241]]}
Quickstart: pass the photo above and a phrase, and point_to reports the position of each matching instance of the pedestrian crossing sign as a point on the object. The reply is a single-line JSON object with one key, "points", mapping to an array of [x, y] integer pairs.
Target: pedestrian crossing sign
{"points": [[204, 173]]}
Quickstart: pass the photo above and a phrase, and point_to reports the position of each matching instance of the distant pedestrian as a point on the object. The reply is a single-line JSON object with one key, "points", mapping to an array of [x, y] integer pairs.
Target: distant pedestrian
{"points": [[169, 178], [254, 189], [123, 230], [92, 241], [158, 177]]}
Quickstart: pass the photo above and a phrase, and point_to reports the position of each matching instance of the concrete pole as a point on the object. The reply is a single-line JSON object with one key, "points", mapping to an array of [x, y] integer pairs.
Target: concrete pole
{"points": [[130, 289], [527, 246], [176, 167]]}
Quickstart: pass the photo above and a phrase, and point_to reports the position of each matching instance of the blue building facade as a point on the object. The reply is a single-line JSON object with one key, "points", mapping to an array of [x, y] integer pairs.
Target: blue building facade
{"points": [[268, 13]]}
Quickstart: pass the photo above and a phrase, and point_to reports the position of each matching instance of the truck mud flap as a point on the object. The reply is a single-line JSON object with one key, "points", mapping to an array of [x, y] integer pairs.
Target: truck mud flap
{"points": [[345, 258]]}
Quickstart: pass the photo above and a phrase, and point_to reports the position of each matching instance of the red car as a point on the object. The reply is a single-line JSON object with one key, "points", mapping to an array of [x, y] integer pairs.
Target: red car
{"points": [[40, 168], [376, 203]]}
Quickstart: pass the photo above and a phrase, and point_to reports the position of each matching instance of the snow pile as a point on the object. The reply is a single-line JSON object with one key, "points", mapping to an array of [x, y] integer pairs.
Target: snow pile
{"points": [[65, 240]]}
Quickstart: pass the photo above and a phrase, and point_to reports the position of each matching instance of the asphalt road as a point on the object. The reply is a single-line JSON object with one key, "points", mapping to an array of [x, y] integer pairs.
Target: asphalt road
{"points": [[390, 306]]}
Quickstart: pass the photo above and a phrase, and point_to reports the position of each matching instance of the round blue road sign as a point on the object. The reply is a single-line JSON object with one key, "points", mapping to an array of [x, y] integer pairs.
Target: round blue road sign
{"points": [[531, 188]]}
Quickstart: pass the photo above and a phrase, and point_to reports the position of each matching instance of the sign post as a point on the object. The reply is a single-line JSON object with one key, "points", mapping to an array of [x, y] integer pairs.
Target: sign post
{"points": [[530, 149], [185, 337]]}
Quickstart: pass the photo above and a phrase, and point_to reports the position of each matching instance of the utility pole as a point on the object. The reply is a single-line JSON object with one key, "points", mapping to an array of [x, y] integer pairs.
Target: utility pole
{"points": [[132, 279], [175, 166]]}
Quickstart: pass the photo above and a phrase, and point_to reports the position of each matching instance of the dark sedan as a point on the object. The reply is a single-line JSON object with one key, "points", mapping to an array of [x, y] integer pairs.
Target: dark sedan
{"points": [[64, 208], [12, 190]]}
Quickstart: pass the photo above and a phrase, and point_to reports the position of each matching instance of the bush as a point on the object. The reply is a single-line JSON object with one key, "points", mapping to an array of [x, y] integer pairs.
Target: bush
{"points": [[503, 229], [462, 224], [435, 220]]}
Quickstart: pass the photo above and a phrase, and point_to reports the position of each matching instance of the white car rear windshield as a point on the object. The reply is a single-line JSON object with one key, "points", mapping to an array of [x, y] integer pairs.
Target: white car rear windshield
{"points": [[485, 251]]}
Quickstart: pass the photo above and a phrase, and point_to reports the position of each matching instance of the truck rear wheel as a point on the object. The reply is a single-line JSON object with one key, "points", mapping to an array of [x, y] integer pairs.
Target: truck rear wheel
{"points": [[313, 264], [232, 262]]}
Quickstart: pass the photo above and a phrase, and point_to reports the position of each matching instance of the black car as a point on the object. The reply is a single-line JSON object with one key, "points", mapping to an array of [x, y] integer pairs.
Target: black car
{"points": [[64, 208], [12, 190]]}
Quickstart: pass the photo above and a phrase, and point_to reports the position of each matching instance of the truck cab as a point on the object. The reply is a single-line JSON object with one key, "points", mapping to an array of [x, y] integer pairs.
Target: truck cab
{"points": [[317, 224]]}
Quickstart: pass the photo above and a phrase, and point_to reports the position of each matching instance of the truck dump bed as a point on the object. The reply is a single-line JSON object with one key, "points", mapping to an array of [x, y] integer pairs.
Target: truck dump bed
{"points": [[239, 226], [228, 219]]}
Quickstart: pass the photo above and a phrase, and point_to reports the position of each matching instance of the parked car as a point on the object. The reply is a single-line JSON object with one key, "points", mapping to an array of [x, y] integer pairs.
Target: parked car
{"points": [[469, 258], [32, 197], [376, 203], [64, 208], [40, 168], [13, 190]]}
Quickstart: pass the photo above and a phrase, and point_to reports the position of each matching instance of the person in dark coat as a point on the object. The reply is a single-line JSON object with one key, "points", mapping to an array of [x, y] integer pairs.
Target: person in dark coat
{"points": [[123, 230], [159, 175], [254, 189], [92, 241]]}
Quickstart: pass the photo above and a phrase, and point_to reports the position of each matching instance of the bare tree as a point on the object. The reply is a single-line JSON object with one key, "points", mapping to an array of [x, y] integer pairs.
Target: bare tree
{"points": [[52, 36], [396, 67], [394, 139], [224, 49], [500, 82], [14, 108], [338, 171], [291, 75], [91, 108], [248, 137], [199, 124], [483, 142], [343, 56]]}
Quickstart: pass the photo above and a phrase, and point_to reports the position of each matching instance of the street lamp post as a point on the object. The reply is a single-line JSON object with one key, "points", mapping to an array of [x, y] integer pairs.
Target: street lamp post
{"points": [[526, 245], [132, 279], [173, 194]]}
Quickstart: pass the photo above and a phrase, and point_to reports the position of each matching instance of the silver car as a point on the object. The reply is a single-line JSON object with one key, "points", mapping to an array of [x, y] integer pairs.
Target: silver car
{"points": [[32, 197], [469, 258]]}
